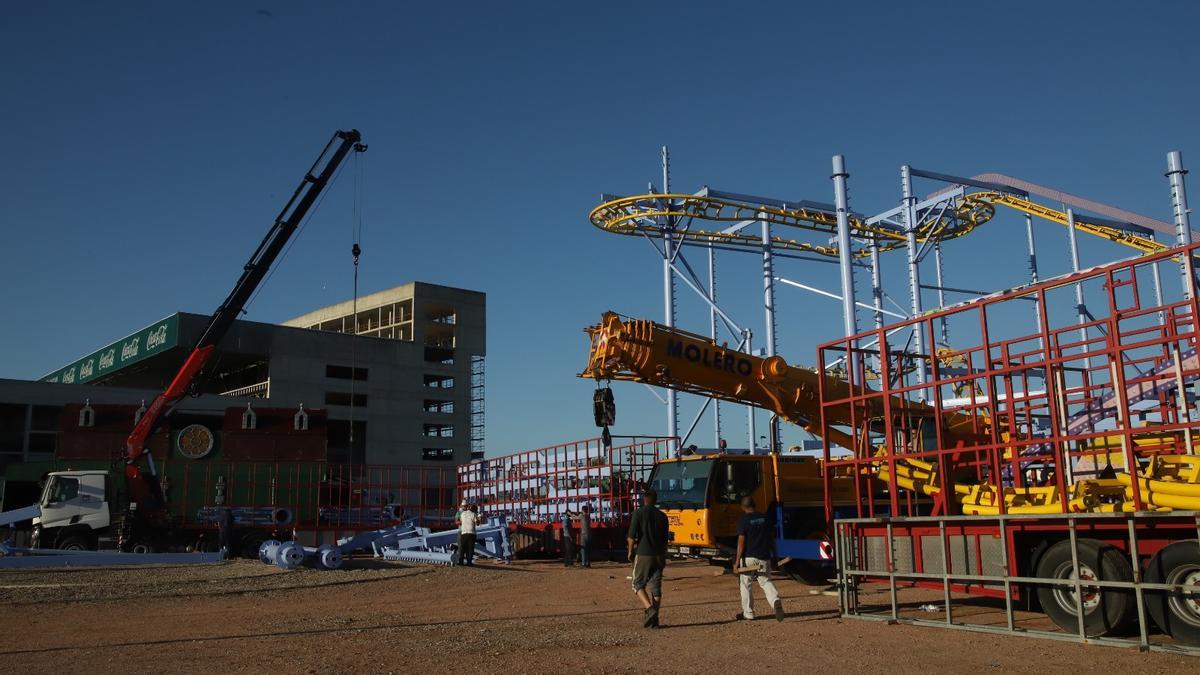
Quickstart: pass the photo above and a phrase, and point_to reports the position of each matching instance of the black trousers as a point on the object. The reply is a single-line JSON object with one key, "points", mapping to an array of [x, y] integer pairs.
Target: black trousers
{"points": [[466, 548], [568, 546]]}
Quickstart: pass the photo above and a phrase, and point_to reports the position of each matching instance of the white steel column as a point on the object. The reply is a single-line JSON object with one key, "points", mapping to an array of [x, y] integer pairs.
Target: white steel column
{"points": [[747, 335], [941, 292], [1033, 270], [845, 261], [769, 305], [669, 302], [1183, 226], [914, 271], [1080, 308], [876, 284], [712, 318]]}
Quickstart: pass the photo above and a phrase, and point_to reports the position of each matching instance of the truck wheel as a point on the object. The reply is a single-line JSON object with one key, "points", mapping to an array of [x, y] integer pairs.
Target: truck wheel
{"points": [[1176, 613], [141, 546], [1105, 612], [251, 543], [76, 543], [808, 572]]}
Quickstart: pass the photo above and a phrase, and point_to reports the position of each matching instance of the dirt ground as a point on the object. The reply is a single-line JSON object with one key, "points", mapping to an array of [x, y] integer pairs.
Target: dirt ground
{"points": [[526, 617]]}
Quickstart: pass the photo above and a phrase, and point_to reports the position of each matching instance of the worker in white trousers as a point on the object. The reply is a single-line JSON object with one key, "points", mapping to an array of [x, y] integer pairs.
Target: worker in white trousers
{"points": [[755, 548]]}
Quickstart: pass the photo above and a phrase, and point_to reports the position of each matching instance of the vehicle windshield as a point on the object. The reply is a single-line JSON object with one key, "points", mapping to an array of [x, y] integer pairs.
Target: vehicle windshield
{"points": [[60, 489], [682, 485]]}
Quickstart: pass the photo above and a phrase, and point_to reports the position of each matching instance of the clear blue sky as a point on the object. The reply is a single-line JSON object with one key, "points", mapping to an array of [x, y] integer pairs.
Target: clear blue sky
{"points": [[148, 145]]}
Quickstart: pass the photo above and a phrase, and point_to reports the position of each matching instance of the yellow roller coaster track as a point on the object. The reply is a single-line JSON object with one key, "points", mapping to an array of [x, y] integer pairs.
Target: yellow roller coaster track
{"points": [[640, 215], [637, 215], [1139, 242]]}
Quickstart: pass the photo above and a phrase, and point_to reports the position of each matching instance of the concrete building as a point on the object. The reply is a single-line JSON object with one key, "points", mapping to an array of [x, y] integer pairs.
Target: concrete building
{"points": [[400, 372]]}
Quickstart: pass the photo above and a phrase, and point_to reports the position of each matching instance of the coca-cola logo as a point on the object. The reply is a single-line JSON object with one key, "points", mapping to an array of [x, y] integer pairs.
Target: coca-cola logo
{"points": [[156, 337]]}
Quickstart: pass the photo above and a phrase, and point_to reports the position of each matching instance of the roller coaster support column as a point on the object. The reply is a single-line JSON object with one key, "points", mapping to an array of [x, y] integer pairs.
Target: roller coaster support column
{"points": [[876, 284], [669, 302], [746, 337], [937, 270], [1183, 226], [849, 310], [914, 272], [1033, 272], [769, 305], [712, 318], [1080, 307]]}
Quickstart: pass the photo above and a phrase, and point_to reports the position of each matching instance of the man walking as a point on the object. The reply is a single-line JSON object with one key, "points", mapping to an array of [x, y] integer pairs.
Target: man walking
{"points": [[647, 550], [466, 519], [585, 535], [755, 548], [567, 539]]}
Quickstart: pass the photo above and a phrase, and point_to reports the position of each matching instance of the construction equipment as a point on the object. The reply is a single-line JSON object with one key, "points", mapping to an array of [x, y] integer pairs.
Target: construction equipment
{"points": [[1084, 488], [79, 508], [405, 542]]}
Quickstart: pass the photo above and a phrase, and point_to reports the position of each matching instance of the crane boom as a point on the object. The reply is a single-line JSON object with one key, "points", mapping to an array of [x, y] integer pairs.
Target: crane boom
{"points": [[640, 350], [286, 223]]}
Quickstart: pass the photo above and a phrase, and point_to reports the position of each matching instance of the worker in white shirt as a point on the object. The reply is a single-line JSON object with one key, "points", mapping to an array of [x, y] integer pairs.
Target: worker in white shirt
{"points": [[465, 520]]}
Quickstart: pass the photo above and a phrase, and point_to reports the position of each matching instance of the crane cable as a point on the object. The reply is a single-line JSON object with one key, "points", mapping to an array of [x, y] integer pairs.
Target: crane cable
{"points": [[356, 227]]}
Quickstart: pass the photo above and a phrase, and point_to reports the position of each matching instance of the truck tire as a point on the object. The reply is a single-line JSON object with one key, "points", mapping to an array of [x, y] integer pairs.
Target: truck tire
{"points": [[142, 546], [1177, 614], [809, 572], [251, 543], [75, 543], [1105, 612]]}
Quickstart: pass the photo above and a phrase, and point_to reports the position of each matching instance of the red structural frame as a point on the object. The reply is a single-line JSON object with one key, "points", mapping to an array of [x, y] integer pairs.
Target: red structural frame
{"points": [[1071, 405], [534, 488]]}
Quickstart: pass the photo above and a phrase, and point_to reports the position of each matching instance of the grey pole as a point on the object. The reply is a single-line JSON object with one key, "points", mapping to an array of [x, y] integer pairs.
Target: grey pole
{"points": [[876, 284], [1080, 308], [1158, 296], [849, 309], [937, 268], [669, 300], [914, 271], [876, 294], [1183, 226], [712, 318], [769, 300], [747, 335], [1033, 270]]}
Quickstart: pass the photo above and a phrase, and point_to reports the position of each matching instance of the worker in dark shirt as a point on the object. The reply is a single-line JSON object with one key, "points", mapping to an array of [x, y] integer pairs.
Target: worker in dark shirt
{"points": [[755, 549], [647, 550]]}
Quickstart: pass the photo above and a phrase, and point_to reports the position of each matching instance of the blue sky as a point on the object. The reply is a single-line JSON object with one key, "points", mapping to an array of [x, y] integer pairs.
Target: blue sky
{"points": [[149, 145]]}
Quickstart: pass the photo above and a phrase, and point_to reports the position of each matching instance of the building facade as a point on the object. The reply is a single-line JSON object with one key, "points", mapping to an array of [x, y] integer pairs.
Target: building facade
{"points": [[399, 372]]}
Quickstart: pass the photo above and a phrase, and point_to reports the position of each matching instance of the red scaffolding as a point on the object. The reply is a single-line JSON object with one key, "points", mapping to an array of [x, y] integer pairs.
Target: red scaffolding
{"points": [[1057, 423]]}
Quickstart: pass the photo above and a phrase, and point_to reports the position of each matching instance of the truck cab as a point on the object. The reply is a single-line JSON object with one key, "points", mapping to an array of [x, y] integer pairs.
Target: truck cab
{"points": [[701, 497], [75, 510]]}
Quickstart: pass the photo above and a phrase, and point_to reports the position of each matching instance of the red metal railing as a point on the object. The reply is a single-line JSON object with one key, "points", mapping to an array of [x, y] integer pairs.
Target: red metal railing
{"points": [[536, 487], [1037, 399]]}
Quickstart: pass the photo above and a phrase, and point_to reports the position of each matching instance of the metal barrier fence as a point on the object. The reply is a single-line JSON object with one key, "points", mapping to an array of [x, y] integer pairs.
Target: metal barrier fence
{"points": [[536, 487], [910, 553]]}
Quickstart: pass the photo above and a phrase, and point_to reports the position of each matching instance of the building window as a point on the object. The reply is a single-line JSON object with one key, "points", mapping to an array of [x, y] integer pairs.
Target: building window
{"points": [[436, 406], [439, 382], [345, 398], [346, 373], [438, 455], [439, 430]]}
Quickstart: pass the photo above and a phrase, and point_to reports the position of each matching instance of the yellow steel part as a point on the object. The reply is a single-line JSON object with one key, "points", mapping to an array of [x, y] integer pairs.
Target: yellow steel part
{"points": [[628, 215], [1139, 242]]}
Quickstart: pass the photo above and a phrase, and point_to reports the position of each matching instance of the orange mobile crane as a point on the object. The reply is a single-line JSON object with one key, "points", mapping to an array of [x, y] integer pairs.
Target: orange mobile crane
{"points": [[701, 493]]}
